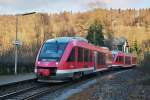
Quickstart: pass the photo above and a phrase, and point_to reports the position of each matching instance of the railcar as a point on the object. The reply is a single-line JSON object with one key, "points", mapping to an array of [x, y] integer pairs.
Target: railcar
{"points": [[65, 58], [121, 59]]}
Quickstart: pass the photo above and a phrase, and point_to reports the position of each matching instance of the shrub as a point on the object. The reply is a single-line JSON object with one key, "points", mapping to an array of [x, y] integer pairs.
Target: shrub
{"points": [[145, 66]]}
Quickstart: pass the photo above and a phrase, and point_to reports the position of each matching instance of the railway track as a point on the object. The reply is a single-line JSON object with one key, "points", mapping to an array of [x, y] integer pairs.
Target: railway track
{"points": [[36, 91], [32, 92], [14, 93]]}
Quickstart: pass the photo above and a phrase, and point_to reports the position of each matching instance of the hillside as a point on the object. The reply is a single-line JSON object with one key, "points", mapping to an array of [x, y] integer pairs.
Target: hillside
{"points": [[34, 29]]}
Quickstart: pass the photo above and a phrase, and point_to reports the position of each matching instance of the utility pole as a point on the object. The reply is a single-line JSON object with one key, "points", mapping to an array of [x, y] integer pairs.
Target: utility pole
{"points": [[17, 42], [16, 46]]}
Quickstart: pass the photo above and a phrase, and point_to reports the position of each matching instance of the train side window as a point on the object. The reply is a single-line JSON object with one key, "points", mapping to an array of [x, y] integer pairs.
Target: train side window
{"points": [[120, 58], [86, 52], [99, 58], [104, 58], [71, 57], [110, 57], [90, 56], [127, 60], [134, 60], [80, 54]]}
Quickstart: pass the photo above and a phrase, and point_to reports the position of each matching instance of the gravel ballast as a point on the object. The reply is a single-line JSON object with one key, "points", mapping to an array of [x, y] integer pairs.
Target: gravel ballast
{"points": [[127, 85]]}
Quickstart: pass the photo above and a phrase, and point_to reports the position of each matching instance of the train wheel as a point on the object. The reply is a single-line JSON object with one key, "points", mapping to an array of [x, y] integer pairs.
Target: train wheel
{"points": [[134, 66], [77, 75]]}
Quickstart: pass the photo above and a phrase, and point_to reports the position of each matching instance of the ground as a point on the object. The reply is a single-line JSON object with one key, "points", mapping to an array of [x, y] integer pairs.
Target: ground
{"points": [[132, 84]]}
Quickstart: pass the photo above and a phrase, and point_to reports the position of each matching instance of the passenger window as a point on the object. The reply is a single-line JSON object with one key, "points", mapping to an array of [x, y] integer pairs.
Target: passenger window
{"points": [[104, 59], [86, 52], [80, 54], [71, 57], [90, 56], [101, 58], [127, 60]]}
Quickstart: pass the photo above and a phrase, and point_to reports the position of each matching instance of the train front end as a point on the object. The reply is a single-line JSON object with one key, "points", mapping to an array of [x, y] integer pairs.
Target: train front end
{"points": [[118, 59], [48, 59]]}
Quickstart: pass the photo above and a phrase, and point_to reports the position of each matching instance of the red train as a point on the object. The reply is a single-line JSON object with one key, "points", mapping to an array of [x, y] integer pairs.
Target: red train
{"points": [[66, 58], [121, 59]]}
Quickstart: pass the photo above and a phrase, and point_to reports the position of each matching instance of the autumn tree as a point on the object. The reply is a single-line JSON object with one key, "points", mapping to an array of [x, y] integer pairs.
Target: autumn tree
{"points": [[37, 28], [46, 25], [95, 34], [136, 48]]}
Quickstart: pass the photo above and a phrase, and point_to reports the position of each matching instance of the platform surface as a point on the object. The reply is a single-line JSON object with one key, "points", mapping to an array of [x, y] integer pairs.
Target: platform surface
{"points": [[9, 79]]}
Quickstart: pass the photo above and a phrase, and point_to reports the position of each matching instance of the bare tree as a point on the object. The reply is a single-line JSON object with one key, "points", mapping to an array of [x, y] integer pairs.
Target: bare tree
{"points": [[46, 26]]}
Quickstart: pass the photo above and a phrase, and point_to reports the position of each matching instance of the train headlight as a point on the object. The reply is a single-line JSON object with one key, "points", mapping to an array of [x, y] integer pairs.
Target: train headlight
{"points": [[56, 63], [38, 62], [35, 70]]}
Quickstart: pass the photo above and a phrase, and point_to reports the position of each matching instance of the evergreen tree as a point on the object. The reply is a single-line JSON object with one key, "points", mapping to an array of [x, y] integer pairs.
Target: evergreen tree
{"points": [[95, 34], [136, 48]]}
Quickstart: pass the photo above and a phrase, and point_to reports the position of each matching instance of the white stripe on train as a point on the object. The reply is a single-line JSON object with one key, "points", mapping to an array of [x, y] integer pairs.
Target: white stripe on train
{"points": [[74, 70], [86, 69], [79, 70]]}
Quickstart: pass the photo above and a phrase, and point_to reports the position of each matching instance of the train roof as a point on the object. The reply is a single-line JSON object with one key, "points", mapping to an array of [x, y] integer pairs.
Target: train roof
{"points": [[122, 53], [78, 41], [66, 39]]}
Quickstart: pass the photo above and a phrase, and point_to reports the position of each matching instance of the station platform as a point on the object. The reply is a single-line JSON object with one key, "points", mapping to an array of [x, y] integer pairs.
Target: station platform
{"points": [[10, 79]]}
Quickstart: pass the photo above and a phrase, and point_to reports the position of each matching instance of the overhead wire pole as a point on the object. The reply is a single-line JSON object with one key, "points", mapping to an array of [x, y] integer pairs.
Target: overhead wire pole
{"points": [[16, 46], [17, 42]]}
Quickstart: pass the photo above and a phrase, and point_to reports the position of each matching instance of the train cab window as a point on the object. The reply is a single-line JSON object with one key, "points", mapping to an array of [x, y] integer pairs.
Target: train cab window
{"points": [[113, 56], [71, 57], [80, 54], [86, 52]]}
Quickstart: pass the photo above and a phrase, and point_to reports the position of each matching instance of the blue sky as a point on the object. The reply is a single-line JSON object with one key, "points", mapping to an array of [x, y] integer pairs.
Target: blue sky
{"points": [[52, 6]]}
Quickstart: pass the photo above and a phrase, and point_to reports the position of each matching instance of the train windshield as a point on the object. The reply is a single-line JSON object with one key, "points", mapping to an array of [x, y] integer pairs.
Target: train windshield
{"points": [[113, 56], [52, 51]]}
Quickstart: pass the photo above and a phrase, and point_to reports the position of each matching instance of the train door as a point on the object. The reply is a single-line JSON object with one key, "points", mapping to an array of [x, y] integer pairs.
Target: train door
{"points": [[80, 57], [86, 58], [71, 61], [95, 60]]}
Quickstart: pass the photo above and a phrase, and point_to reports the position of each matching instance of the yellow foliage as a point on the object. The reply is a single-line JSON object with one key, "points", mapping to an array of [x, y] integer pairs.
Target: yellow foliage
{"points": [[34, 29]]}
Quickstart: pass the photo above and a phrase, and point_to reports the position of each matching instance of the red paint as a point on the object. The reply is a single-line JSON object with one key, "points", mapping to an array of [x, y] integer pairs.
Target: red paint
{"points": [[46, 66], [123, 63]]}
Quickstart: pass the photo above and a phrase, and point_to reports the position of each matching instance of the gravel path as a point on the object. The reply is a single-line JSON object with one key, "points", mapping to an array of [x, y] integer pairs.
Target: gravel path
{"points": [[121, 86]]}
